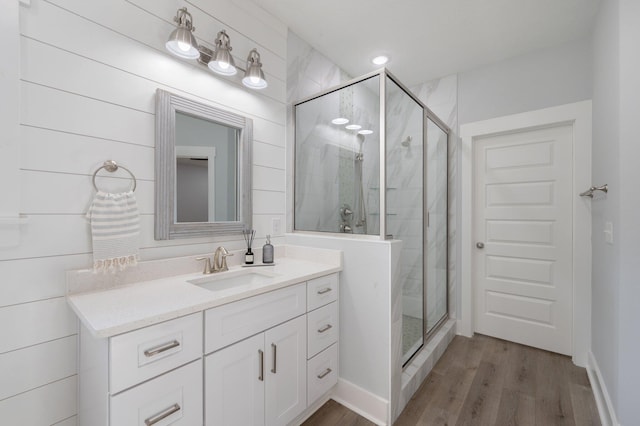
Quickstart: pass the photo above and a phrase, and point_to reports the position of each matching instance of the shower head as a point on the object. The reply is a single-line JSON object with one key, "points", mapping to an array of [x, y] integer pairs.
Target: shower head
{"points": [[406, 142]]}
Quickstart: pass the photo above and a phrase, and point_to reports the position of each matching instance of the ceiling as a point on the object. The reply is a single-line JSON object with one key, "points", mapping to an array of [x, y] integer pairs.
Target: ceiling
{"points": [[426, 39]]}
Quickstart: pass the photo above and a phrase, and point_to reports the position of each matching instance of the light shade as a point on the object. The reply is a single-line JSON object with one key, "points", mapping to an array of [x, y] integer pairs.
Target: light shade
{"points": [[340, 120], [181, 42], [253, 76], [222, 60]]}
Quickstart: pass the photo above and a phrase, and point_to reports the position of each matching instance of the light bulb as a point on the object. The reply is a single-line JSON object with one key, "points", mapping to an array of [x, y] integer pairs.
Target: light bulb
{"points": [[223, 65], [255, 79], [340, 120], [184, 46]]}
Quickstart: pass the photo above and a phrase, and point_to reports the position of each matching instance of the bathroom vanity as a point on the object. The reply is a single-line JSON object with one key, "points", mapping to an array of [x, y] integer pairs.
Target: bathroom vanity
{"points": [[249, 346]]}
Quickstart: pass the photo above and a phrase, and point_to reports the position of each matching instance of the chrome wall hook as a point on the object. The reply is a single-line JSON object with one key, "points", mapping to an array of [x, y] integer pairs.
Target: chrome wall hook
{"points": [[589, 192]]}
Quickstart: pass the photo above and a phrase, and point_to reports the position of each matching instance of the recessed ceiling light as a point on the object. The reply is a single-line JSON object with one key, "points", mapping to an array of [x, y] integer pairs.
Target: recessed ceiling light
{"points": [[365, 132], [380, 60], [353, 127], [340, 120]]}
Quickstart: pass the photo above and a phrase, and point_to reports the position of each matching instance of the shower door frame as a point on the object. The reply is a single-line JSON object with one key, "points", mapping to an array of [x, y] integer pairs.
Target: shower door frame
{"points": [[428, 114]]}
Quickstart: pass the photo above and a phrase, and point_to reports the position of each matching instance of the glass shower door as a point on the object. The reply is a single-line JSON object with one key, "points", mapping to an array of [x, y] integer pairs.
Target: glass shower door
{"points": [[437, 175], [405, 206]]}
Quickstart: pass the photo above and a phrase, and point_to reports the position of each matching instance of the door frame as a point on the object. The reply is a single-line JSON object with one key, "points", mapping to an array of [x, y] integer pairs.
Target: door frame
{"points": [[579, 116]]}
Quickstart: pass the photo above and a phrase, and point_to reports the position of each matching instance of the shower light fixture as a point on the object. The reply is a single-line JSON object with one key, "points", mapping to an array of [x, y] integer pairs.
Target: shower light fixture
{"points": [[340, 120], [183, 44], [353, 127], [380, 60], [365, 132]]}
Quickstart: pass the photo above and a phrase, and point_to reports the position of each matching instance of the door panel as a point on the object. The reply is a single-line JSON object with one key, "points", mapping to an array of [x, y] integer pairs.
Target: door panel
{"points": [[286, 371], [234, 393], [523, 213]]}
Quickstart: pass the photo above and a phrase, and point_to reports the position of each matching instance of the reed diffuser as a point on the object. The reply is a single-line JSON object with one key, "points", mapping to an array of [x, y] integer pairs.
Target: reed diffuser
{"points": [[248, 235]]}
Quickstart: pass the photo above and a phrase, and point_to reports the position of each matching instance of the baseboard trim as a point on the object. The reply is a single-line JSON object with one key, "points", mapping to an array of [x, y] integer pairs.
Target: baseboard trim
{"points": [[361, 401], [603, 400]]}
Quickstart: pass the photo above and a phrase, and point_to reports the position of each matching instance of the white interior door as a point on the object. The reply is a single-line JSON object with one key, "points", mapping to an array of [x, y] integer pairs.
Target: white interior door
{"points": [[522, 263]]}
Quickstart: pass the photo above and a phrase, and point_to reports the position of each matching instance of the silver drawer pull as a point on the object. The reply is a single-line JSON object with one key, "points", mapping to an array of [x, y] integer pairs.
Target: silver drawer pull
{"points": [[162, 415], [161, 348], [324, 373], [324, 290], [325, 328], [261, 356], [275, 357]]}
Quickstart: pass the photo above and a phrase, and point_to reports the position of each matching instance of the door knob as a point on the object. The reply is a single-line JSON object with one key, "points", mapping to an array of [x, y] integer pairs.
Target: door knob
{"points": [[480, 245]]}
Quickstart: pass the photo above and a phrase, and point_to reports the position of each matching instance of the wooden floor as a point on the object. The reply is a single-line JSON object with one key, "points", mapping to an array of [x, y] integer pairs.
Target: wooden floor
{"points": [[485, 381]]}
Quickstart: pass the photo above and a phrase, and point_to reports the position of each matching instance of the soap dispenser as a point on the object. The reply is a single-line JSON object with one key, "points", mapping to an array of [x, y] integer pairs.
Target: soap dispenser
{"points": [[267, 251]]}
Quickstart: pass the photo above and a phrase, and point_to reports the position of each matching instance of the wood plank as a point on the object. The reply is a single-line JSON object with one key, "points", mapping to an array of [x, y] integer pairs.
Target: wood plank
{"points": [[516, 409], [553, 399], [36, 322], [36, 366], [486, 381], [46, 405], [54, 109], [333, 413], [29, 280]]}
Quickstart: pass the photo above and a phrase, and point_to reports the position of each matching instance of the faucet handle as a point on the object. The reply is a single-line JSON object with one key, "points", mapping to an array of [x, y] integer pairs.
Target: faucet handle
{"points": [[207, 265], [224, 266]]}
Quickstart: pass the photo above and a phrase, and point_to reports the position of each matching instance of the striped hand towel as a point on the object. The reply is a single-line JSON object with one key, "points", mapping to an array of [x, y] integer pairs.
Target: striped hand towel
{"points": [[115, 230]]}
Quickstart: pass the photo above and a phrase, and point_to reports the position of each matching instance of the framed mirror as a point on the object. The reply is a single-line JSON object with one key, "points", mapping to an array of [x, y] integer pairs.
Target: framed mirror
{"points": [[202, 170]]}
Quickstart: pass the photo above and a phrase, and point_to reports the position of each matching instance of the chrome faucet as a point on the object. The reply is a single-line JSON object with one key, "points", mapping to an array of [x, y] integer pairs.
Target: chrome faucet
{"points": [[219, 261]]}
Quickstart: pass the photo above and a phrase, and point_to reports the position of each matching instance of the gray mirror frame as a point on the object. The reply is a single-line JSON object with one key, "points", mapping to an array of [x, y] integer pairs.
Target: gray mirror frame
{"points": [[167, 104]]}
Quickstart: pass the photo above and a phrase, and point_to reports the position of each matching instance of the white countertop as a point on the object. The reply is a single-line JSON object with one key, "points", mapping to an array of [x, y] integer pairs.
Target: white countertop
{"points": [[128, 307]]}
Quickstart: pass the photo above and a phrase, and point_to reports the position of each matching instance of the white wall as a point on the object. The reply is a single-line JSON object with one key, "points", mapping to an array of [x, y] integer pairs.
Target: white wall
{"points": [[616, 346], [89, 71], [605, 162], [537, 80], [629, 228]]}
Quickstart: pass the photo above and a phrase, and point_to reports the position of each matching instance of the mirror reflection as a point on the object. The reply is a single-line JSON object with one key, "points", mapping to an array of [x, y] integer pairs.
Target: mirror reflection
{"points": [[206, 170], [203, 169]]}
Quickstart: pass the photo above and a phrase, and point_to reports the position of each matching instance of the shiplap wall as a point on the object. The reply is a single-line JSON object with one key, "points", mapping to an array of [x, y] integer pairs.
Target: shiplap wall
{"points": [[89, 71]]}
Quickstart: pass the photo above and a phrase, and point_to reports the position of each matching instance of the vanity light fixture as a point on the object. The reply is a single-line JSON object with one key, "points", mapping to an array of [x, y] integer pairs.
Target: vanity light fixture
{"points": [[340, 121], [353, 127], [183, 44], [222, 61], [365, 132], [253, 76]]}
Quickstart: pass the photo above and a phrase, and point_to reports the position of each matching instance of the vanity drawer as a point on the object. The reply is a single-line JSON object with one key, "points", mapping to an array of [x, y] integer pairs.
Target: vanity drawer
{"points": [[322, 328], [148, 352], [322, 373], [321, 291], [174, 398], [230, 323]]}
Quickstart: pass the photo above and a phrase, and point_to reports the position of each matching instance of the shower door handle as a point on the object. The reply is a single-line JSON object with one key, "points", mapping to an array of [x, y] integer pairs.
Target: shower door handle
{"points": [[480, 245]]}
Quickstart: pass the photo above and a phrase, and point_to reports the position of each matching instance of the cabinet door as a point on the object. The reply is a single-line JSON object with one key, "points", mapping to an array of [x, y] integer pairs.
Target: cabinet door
{"points": [[234, 384], [286, 371]]}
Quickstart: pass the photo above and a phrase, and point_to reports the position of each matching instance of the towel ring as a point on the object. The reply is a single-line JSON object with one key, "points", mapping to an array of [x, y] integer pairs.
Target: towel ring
{"points": [[111, 166]]}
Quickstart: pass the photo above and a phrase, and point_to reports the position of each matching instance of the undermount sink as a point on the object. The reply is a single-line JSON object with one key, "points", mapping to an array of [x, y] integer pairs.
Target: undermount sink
{"points": [[242, 278]]}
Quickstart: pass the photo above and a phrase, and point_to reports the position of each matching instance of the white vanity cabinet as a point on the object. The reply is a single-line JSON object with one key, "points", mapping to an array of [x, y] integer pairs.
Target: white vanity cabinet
{"points": [[259, 381], [260, 360], [150, 376]]}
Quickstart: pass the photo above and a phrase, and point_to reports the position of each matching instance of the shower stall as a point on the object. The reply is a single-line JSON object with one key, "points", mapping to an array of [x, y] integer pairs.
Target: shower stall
{"points": [[371, 162]]}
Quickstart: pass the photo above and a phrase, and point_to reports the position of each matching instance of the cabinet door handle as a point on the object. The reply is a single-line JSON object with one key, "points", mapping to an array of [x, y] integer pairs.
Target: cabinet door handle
{"points": [[261, 355], [324, 373], [325, 328], [162, 415], [324, 290], [161, 348], [275, 357]]}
